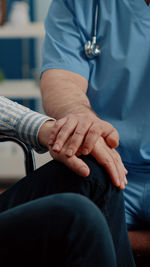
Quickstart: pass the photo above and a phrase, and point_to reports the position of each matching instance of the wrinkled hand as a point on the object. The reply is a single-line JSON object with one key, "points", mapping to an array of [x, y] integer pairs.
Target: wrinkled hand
{"points": [[111, 160], [85, 130], [106, 156], [74, 163]]}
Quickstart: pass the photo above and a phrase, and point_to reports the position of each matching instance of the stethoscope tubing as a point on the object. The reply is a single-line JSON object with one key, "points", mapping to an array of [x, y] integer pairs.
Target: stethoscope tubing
{"points": [[95, 18], [91, 48]]}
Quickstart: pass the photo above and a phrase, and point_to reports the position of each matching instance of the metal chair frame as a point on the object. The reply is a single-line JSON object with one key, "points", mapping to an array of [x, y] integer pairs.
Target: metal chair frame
{"points": [[29, 159]]}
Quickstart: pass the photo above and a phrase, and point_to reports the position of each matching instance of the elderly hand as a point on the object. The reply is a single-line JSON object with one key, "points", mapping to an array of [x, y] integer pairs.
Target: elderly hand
{"points": [[106, 156], [84, 129]]}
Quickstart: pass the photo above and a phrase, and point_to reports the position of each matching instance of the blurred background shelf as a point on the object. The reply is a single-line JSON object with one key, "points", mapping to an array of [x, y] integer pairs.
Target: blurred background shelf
{"points": [[20, 88], [20, 64], [31, 30]]}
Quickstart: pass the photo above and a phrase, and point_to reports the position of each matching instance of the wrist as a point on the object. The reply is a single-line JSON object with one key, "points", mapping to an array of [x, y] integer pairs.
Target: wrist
{"points": [[44, 132]]}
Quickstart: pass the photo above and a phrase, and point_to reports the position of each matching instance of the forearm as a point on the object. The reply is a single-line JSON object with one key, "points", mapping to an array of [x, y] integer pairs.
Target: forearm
{"points": [[22, 123], [64, 92]]}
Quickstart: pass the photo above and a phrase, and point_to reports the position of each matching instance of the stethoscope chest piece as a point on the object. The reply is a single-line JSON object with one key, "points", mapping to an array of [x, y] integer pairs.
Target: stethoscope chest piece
{"points": [[92, 50]]}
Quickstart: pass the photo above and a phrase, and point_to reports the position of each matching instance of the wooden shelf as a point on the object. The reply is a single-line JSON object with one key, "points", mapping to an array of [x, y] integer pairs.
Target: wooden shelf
{"points": [[31, 30], [20, 88]]}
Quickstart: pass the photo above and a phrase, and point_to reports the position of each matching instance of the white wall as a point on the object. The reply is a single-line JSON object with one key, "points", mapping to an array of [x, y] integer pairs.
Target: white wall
{"points": [[41, 8]]}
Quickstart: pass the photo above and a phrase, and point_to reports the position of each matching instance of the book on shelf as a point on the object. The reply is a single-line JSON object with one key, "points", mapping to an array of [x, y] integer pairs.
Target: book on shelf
{"points": [[2, 11]]}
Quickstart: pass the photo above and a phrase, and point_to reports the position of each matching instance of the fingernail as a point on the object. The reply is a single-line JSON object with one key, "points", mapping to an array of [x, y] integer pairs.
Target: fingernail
{"points": [[126, 171], [118, 181], [122, 185], [69, 152], [84, 171], [56, 147], [85, 151]]}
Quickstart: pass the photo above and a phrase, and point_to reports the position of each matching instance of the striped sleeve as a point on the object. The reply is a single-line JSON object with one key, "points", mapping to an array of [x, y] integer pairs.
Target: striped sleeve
{"points": [[21, 122]]}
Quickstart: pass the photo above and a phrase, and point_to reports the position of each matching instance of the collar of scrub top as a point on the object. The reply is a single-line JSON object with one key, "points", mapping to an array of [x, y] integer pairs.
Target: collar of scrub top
{"points": [[92, 49]]}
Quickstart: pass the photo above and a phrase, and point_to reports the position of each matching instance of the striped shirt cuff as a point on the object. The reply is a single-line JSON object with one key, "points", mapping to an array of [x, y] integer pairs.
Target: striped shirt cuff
{"points": [[21, 122], [28, 128]]}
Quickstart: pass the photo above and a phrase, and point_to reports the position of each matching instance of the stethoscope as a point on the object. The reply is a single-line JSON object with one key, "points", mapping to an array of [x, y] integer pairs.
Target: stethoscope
{"points": [[92, 50]]}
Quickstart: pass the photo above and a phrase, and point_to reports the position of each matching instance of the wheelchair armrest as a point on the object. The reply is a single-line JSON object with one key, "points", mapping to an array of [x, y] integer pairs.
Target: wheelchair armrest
{"points": [[28, 152]]}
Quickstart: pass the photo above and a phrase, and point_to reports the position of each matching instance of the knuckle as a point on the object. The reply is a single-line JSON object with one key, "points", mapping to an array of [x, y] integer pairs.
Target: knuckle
{"points": [[117, 160], [72, 118], [60, 137], [109, 125], [93, 131], [115, 155], [99, 126], [118, 156], [107, 162], [115, 133], [69, 116], [57, 124], [52, 134], [105, 123], [79, 133]]}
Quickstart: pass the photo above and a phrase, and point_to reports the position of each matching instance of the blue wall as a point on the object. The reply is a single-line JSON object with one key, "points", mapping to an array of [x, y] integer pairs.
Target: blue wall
{"points": [[11, 51]]}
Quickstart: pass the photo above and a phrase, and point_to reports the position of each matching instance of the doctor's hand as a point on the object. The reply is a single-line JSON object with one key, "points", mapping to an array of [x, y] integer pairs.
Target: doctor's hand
{"points": [[83, 130], [110, 159], [106, 156]]}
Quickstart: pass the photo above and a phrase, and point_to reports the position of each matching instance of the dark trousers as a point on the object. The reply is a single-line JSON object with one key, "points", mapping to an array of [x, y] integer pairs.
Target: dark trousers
{"points": [[39, 224]]}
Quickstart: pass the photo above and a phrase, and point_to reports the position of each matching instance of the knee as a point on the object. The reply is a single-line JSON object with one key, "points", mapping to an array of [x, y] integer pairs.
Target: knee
{"points": [[98, 174], [102, 183], [71, 203], [77, 206]]}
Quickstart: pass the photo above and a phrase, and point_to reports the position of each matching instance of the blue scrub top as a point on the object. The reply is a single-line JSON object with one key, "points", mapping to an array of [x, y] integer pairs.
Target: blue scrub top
{"points": [[119, 79]]}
